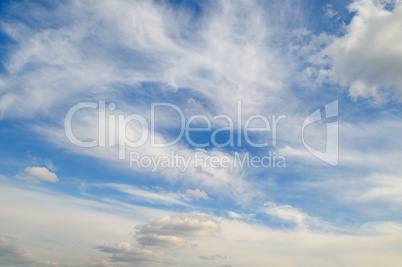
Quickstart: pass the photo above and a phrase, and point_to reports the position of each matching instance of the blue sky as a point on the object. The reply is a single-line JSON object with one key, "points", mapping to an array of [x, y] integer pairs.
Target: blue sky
{"points": [[333, 199]]}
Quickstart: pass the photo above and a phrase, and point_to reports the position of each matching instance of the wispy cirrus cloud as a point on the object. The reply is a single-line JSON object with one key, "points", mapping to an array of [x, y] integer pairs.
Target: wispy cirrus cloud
{"points": [[204, 57], [226, 55], [162, 197]]}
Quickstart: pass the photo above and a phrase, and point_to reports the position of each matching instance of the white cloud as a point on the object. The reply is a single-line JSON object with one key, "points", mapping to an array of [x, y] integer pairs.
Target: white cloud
{"points": [[234, 215], [197, 194], [290, 214], [84, 232], [372, 145], [230, 182], [12, 255], [63, 228], [166, 198], [367, 196], [376, 188], [229, 55], [38, 174], [224, 56], [368, 57], [102, 51], [330, 12], [251, 244], [176, 230], [126, 252], [380, 188], [213, 257]]}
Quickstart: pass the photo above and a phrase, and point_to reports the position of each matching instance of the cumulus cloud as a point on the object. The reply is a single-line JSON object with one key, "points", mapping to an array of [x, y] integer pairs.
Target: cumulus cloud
{"points": [[197, 194], [87, 222], [125, 252], [289, 214], [368, 57], [176, 230], [75, 224], [38, 174], [12, 255]]}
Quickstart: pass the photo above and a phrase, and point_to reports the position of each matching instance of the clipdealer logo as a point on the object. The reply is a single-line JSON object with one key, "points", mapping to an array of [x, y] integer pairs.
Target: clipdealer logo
{"points": [[329, 116], [114, 131]]}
